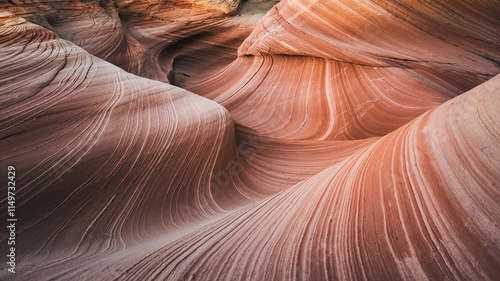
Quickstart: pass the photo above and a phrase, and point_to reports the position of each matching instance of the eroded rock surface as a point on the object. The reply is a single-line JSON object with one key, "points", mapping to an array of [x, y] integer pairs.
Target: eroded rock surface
{"points": [[202, 140]]}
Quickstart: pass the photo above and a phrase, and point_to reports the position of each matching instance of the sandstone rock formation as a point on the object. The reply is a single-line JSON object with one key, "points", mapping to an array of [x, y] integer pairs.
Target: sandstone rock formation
{"points": [[202, 140]]}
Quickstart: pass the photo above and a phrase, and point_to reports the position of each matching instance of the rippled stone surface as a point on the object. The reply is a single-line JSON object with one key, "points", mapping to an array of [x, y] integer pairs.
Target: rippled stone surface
{"points": [[202, 140]]}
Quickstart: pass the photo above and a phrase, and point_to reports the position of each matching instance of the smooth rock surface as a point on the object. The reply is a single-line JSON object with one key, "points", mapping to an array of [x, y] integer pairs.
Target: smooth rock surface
{"points": [[204, 140]]}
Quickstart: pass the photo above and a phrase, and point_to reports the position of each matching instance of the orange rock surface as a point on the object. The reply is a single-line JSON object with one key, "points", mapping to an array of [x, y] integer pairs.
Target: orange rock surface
{"points": [[204, 140]]}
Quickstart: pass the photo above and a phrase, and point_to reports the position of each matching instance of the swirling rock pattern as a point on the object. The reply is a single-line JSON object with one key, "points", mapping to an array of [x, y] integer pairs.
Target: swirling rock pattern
{"points": [[379, 215], [202, 140]]}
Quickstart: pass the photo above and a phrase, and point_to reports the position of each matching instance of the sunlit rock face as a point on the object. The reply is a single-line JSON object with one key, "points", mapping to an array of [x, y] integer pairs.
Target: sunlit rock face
{"points": [[208, 140]]}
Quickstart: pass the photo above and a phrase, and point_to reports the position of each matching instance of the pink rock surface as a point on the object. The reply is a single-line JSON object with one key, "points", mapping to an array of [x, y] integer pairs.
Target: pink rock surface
{"points": [[184, 140]]}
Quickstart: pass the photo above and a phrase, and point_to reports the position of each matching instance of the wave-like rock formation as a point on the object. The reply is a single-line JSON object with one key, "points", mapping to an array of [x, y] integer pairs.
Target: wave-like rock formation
{"points": [[202, 140]]}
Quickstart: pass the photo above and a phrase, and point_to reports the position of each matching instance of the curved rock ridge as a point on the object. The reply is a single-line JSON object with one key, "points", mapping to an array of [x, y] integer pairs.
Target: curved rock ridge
{"points": [[332, 140], [380, 214], [442, 34], [107, 158], [314, 98], [97, 146], [147, 38], [304, 74], [407, 207], [102, 34], [181, 47]]}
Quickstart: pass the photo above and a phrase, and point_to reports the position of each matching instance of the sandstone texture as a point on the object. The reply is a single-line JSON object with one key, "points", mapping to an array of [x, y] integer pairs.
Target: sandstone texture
{"points": [[253, 140]]}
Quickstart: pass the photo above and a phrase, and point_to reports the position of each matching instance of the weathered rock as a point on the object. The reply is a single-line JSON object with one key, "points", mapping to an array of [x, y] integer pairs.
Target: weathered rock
{"points": [[345, 140]]}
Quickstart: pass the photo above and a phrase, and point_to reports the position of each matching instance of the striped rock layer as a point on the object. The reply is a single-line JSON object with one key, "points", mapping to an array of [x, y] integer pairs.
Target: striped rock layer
{"points": [[202, 140]]}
